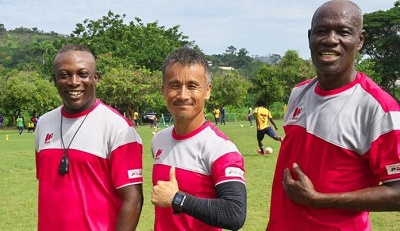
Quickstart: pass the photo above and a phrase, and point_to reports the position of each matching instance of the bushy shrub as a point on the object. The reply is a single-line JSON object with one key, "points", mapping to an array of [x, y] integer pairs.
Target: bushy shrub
{"points": [[277, 109]]}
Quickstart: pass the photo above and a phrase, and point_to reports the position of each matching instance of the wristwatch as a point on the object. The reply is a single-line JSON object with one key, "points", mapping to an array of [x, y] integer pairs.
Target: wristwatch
{"points": [[177, 202]]}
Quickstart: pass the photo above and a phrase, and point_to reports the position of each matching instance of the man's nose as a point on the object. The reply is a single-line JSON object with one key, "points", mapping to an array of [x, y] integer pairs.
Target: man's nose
{"points": [[183, 92], [74, 80], [331, 38]]}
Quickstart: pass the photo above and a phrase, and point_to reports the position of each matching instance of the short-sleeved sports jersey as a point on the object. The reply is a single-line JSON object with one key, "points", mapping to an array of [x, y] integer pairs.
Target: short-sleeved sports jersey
{"points": [[216, 113], [203, 159], [105, 155], [262, 116], [344, 140], [20, 122]]}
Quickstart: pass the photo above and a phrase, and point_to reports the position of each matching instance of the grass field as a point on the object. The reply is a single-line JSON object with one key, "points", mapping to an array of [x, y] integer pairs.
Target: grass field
{"points": [[18, 185]]}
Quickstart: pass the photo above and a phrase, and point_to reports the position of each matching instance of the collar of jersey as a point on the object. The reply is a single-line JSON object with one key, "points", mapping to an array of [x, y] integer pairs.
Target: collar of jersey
{"points": [[82, 113]]}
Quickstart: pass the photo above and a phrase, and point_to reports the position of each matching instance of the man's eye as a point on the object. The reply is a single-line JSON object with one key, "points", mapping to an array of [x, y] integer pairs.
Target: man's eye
{"points": [[174, 86], [63, 75], [319, 32], [193, 87], [344, 33], [84, 74]]}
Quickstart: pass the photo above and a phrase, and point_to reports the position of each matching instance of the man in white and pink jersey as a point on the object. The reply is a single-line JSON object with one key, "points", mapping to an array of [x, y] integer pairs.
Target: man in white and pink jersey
{"points": [[340, 157], [198, 173], [88, 156]]}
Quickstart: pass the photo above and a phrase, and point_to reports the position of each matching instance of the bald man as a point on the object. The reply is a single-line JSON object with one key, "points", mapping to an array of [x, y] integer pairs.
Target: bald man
{"points": [[340, 156]]}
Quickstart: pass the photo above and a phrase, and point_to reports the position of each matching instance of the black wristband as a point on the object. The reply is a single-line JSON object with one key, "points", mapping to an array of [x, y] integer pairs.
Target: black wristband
{"points": [[177, 202]]}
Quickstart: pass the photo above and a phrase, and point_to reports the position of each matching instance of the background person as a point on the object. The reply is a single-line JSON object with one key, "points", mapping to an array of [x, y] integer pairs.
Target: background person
{"points": [[222, 110], [136, 119], [217, 114], [342, 136], [198, 173], [34, 121], [263, 116], [31, 126], [88, 156], [250, 118], [153, 122], [1, 121], [20, 124]]}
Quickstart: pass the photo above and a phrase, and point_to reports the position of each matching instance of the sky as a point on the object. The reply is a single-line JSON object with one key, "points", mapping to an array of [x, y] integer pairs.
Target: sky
{"points": [[262, 27]]}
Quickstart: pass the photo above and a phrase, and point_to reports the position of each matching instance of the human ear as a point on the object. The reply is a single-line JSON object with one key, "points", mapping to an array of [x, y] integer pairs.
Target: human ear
{"points": [[208, 91], [362, 37]]}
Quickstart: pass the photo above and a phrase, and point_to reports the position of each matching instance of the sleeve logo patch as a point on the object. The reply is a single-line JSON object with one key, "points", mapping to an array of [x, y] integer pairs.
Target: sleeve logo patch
{"points": [[134, 173], [234, 172], [393, 169]]}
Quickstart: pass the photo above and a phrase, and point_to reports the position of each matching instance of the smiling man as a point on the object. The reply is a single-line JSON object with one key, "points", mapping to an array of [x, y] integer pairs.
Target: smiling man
{"points": [[340, 157], [198, 173], [88, 156]]}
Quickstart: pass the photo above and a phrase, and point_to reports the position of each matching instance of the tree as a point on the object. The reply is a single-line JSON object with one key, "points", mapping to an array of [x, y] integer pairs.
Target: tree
{"points": [[133, 44], [29, 48], [233, 58], [292, 70], [231, 50], [367, 66], [130, 90], [268, 85], [273, 83], [27, 92], [2, 29], [228, 89], [243, 60], [229, 57], [382, 44], [44, 49]]}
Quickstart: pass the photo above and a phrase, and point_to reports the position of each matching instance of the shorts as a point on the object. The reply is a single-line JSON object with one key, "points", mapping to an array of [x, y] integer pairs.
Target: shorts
{"points": [[266, 131]]}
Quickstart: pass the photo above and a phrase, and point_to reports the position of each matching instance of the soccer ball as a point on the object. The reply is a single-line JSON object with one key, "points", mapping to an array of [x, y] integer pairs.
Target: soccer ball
{"points": [[268, 150], [241, 125]]}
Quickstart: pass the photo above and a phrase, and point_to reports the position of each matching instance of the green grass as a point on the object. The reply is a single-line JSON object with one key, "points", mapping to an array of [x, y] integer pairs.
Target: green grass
{"points": [[18, 185]]}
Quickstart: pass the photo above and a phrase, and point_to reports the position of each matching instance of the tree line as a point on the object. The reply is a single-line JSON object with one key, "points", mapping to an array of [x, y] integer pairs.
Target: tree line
{"points": [[130, 56]]}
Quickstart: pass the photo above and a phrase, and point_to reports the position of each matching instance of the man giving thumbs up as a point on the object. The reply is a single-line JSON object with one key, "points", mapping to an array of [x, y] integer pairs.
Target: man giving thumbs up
{"points": [[198, 173]]}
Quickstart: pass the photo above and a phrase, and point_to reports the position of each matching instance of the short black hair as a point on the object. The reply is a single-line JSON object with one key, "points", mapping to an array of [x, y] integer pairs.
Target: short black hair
{"points": [[75, 47], [187, 56], [260, 102]]}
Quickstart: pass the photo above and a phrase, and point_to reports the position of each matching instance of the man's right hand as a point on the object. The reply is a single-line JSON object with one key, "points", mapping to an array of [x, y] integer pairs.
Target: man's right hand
{"points": [[164, 191]]}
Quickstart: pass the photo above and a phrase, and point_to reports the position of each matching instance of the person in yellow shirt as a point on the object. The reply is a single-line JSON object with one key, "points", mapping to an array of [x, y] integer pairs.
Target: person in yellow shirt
{"points": [[263, 116], [217, 114], [136, 119], [31, 126]]}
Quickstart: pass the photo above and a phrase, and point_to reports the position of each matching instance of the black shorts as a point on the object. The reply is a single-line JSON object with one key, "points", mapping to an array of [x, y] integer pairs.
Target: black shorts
{"points": [[266, 131]]}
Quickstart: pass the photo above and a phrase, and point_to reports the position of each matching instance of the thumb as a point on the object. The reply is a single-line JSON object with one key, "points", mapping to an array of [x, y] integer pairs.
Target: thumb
{"points": [[172, 177], [298, 171]]}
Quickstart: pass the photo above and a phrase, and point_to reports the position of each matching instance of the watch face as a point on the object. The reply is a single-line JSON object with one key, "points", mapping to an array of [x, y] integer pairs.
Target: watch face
{"points": [[177, 202], [178, 198]]}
